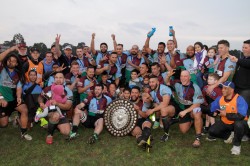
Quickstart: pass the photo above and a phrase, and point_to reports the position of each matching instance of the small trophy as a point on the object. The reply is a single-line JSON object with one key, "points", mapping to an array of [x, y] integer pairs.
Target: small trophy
{"points": [[48, 96]]}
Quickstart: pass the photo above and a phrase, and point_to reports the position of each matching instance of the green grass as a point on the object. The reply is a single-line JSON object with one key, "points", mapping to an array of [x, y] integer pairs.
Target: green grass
{"points": [[114, 150]]}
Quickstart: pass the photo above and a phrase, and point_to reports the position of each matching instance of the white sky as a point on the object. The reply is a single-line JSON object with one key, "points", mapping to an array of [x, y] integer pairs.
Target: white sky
{"points": [[193, 20]]}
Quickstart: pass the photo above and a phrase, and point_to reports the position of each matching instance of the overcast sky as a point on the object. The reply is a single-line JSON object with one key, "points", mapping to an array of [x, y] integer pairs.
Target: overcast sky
{"points": [[130, 20]]}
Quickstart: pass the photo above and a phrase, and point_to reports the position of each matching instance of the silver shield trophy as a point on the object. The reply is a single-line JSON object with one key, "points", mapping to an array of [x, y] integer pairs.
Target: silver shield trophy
{"points": [[120, 117]]}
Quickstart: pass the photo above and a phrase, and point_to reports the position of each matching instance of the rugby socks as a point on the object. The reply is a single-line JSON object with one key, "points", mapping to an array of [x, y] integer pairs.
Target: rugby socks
{"points": [[23, 131], [51, 128], [75, 128], [198, 136], [166, 124], [146, 132], [95, 136]]}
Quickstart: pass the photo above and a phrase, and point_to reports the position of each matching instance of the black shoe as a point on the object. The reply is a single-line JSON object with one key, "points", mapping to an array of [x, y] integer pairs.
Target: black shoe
{"points": [[174, 120], [204, 131], [92, 140], [210, 138], [164, 138]]}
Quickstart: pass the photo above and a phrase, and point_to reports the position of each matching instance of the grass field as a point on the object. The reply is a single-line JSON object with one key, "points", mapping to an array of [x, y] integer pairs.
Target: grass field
{"points": [[114, 151]]}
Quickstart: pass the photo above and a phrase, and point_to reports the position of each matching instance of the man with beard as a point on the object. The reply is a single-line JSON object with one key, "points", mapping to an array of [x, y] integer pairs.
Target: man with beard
{"points": [[87, 83], [84, 60], [188, 98], [161, 95], [121, 60], [134, 60], [55, 121], [91, 117], [111, 67], [158, 55], [11, 91], [142, 131], [34, 64], [22, 53], [171, 59], [156, 71], [101, 57], [189, 63]]}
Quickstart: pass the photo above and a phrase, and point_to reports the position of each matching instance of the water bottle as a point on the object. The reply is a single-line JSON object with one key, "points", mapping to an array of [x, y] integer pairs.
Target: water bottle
{"points": [[170, 28]]}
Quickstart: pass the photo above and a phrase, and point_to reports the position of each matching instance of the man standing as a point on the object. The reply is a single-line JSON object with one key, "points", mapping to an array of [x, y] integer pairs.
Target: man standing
{"points": [[22, 52], [87, 83], [48, 61], [66, 59], [158, 55], [113, 70], [103, 55], [34, 64], [232, 109], [11, 91], [241, 77], [225, 68], [84, 60], [134, 60]]}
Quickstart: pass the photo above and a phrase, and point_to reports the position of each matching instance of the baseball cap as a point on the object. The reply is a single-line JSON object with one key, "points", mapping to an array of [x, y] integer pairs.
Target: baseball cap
{"points": [[228, 84], [68, 47], [34, 49], [23, 44]]}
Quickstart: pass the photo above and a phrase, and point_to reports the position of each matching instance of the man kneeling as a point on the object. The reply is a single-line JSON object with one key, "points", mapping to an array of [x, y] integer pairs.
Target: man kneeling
{"points": [[232, 109], [93, 118]]}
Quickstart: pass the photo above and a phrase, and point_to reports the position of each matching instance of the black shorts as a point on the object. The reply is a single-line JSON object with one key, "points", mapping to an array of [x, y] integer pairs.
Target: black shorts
{"points": [[178, 109], [63, 121], [90, 122], [7, 111], [140, 122]]}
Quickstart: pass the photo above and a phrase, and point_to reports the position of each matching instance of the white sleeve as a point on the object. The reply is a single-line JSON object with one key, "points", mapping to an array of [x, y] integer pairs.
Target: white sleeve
{"points": [[204, 54]]}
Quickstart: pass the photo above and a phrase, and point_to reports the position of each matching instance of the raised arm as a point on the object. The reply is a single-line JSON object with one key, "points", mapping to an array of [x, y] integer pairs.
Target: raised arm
{"points": [[6, 52], [114, 41], [58, 51], [92, 45], [146, 45], [174, 38]]}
